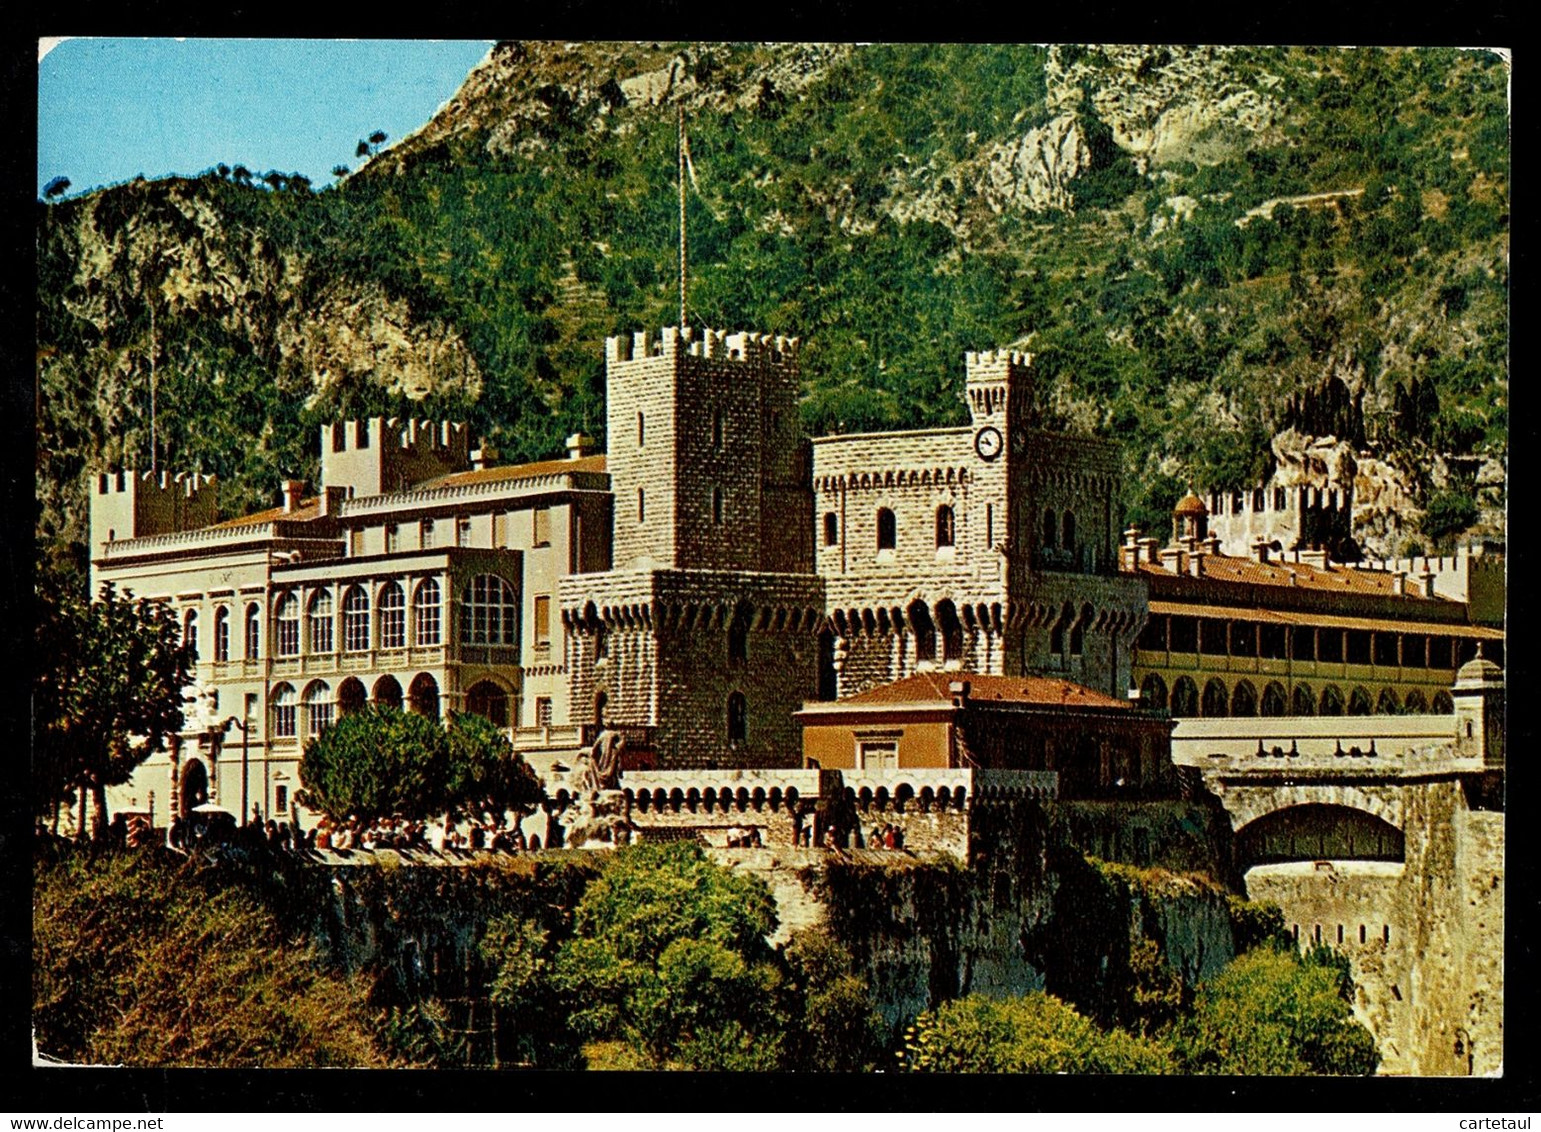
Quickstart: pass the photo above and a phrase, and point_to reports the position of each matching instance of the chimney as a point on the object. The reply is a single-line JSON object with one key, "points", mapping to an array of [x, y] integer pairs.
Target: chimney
{"points": [[293, 489], [1212, 544], [1196, 563], [1152, 550], [1260, 550], [331, 500], [1427, 578], [579, 445], [959, 690], [1398, 583], [1175, 559], [483, 457]]}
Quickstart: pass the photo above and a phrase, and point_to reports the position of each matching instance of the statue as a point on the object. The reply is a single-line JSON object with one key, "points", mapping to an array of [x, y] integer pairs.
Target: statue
{"points": [[597, 819]]}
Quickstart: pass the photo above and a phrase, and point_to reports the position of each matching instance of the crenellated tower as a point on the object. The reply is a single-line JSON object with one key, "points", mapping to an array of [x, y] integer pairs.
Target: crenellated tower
{"points": [[706, 454], [133, 504], [386, 454]]}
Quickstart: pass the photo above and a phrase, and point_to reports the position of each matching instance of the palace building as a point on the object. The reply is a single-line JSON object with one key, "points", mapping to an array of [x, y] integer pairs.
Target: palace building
{"points": [[714, 571]]}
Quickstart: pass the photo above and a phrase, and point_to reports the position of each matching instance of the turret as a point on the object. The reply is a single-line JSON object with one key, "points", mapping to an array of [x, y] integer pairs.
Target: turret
{"points": [[1479, 711], [133, 504], [386, 454]]}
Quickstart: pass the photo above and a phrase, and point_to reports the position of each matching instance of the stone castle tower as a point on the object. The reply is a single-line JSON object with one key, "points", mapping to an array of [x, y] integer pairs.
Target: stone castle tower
{"points": [[706, 455]]}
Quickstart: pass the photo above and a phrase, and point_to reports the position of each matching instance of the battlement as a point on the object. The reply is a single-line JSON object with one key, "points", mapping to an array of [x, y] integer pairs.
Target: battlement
{"points": [[128, 503], [386, 454], [994, 378], [993, 363], [714, 345]]}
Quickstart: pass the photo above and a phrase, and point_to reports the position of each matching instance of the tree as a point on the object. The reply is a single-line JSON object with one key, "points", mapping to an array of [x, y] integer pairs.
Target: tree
{"points": [[56, 188], [669, 958], [1274, 1012], [1448, 514], [340, 171], [1036, 1033], [377, 762], [531, 1012], [840, 1032], [486, 776], [109, 693]]}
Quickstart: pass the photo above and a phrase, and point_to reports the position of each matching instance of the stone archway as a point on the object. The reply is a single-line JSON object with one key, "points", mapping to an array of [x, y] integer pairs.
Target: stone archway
{"points": [[193, 791]]}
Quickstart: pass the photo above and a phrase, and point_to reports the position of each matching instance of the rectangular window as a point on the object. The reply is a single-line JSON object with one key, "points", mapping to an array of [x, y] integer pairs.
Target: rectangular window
{"points": [[542, 711], [1358, 646], [1279, 499], [1303, 642], [641, 505], [1153, 636], [1185, 635], [500, 529], [1212, 637], [831, 528], [542, 622], [288, 642], [355, 543], [1271, 641], [222, 635], [462, 532], [1440, 653], [1243, 638], [877, 754], [253, 632], [1415, 652], [280, 799], [1329, 645], [392, 538], [425, 534], [1386, 650], [989, 526], [542, 527], [641, 430], [283, 720]]}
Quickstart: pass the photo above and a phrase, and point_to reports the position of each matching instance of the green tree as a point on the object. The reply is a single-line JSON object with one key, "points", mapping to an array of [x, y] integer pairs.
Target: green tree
{"points": [[1448, 513], [56, 188], [486, 776], [377, 762], [670, 959], [108, 696], [840, 1031], [532, 1013], [1272, 1012], [1036, 1033], [150, 959]]}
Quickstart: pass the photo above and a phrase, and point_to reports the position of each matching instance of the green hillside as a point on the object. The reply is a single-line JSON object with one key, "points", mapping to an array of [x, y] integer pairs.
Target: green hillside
{"points": [[1125, 214]]}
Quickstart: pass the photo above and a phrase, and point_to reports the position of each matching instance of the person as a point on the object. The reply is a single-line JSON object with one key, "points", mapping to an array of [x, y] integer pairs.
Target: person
{"points": [[888, 837], [478, 836]]}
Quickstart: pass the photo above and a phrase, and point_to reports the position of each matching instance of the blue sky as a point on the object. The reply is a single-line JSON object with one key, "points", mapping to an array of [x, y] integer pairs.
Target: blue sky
{"points": [[110, 110]]}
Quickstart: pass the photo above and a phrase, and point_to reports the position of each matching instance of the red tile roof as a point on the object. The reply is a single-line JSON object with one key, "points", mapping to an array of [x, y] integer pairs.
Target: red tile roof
{"points": [[517, 472], [308, 509], [1339, 579], [1043, 690]]}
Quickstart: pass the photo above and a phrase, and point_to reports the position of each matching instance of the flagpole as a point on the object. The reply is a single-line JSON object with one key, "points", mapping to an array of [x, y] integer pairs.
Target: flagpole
{"points": [[681, 179]]}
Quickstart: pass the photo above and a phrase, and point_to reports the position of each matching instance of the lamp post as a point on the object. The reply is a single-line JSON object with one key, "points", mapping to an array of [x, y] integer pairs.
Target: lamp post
{"points": [[244, 723]]}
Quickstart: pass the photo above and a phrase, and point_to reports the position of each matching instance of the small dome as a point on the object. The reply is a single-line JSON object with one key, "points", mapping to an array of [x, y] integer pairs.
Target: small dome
{"points": [[1479, 672], [1190, 504]]}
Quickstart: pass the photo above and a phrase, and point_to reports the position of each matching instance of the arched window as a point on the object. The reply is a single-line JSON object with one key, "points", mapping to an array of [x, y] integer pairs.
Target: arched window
{"points": [[318, 708], [1302, 700], [1057, 634], [738, 633], [1078, 631], [1442, 703], [601, 700], [925, 631], [1244, 700], [190, 631], [490, 614], [423, 695], [222, 634], [350, 696], [738, 718], [951, 629], [1415, 704], [1332, 700], [945, 531], [355, 620], [387, 692], [888, 530], [1153, 693], [489, 701], [1359, 702], [1050, 529], [426, 616], [1068, 542], [1273, 703], [1387, 703], [283, 712], [286, 626], [1185, 698], [253, 631], [1216, 700], [319, 622], [831, 528], [393, 616]]}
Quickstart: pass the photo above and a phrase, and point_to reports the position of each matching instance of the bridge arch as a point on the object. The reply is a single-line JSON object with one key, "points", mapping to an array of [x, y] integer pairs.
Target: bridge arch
{"points": [[1316, 832], [1247, 803]]}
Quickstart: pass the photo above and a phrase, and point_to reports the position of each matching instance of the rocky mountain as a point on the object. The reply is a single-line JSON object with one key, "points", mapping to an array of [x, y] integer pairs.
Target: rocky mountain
{"points": [[1231, 259]]}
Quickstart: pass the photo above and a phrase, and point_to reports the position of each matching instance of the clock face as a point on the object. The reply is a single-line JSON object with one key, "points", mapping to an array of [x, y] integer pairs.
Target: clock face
{"points": [[988, 442]]}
